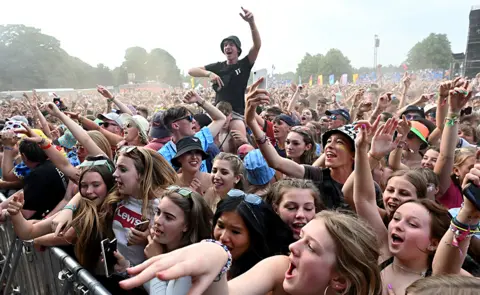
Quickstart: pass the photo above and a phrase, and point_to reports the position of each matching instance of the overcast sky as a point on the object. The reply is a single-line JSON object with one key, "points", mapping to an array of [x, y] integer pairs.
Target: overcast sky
{"points": [[100, 31]]}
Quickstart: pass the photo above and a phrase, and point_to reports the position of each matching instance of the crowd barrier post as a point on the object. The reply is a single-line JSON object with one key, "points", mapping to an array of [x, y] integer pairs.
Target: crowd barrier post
{"points": [[29, 272]]}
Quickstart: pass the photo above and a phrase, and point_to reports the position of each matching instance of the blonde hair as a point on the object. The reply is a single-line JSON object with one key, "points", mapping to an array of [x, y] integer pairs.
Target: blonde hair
{"points": [[141, 135], [462, 154], [236, 164], [357, 252], [101, 141], [449, 284], [155, 174]]}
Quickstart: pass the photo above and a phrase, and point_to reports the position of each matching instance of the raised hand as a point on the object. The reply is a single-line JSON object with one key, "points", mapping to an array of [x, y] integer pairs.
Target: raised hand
{"points": [[247, 16], [215, 79], [403, 128], [458, 97], [406, 80], [427, 97], [52, 109], [152, 249], [369, 131], [445, 87], [384, 101], [191, 97], [104, 92], [72, 115], [365, 106], [382, 142]]}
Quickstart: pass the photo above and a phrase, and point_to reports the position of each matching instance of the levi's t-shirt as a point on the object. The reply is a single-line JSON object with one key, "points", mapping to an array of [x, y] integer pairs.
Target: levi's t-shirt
{"points": [[127, 215]]}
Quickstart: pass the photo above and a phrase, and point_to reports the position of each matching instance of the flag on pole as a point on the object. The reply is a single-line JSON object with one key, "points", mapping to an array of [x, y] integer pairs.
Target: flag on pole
{"points": [[310, 81], [344, 79], [355, 78], [192, 81], [331, 79], [299, 80], [320, 80]]}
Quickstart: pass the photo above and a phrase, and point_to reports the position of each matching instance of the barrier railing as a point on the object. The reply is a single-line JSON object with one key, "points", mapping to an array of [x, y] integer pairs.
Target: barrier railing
{"points": [[29, 272]]}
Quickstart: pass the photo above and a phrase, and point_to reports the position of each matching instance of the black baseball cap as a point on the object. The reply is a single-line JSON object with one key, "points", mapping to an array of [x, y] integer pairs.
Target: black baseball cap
{"points": [[342, 112]]}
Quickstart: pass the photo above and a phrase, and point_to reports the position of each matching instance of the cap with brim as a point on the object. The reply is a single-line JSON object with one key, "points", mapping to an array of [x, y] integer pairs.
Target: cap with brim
{"points": [[111, 117], [429, 108], [188, 144], [257, 170], [342, 112], [414, 109], [67, 140], [141, 123], [235, 40], [420, 130], [347, 130], [287, 119]]}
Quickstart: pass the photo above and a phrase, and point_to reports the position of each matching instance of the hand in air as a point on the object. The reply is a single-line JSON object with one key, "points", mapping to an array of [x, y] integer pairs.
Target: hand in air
{"points": [[247, 16], [202, 261]]}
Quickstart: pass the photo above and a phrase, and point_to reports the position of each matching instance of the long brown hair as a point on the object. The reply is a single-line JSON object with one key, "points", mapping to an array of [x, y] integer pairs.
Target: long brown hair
{"points": [[86, 222], [155, 175]]}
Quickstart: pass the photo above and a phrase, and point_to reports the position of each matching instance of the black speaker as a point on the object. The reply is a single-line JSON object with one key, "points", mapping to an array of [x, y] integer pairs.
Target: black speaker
{"points": [[472, 58]]}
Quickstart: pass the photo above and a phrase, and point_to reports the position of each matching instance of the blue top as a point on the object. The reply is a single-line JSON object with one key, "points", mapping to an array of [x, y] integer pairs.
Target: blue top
{"points": [[169, 150]]}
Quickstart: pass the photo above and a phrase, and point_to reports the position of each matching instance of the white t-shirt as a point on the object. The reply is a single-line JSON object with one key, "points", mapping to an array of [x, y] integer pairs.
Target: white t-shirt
{"points": [[179, 286], [129, 214]]}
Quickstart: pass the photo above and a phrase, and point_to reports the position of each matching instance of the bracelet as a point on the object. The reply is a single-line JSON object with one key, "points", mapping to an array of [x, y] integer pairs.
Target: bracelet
{"points": [[201, 103], [7, 148], [451, 121], [464, 226], [402, 145], [229, 260], [46, 147], [262, 140], [80, 120], [371, 156], [70, 207], [110, 100]]}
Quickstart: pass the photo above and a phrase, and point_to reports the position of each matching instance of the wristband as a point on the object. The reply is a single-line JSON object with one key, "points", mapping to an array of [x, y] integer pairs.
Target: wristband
{"points": [[70, 207], [7, 148], [46, 147], [451, 121], [110, 100], [229, 260], [201, 103], [262, 140]]}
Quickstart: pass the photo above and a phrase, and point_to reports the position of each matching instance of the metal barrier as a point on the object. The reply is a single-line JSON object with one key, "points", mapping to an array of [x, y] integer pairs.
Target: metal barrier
{"points": [[29, 272]]}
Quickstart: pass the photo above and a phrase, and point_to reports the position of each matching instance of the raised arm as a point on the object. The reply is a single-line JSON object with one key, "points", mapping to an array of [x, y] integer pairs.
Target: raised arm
{"points": [[218, 118], [457, 99], [111, 98], [256, 97], [257, 42], [450, 255]]}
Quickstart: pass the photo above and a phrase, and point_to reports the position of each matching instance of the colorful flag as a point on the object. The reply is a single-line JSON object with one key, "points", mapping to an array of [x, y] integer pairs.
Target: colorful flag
{"points": [[310, 81], [344, 79], [355, 78], [331, 79], [192, 81], [405, 67], [320, 80]]}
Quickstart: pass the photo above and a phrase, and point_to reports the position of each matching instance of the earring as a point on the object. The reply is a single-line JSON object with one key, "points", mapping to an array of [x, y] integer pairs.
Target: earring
{"points": [[325, 292]]}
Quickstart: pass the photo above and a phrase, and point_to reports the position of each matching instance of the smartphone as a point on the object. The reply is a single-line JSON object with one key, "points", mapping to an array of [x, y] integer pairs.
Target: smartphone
{"points": [[109, 260], [142, 226], [263, 73], [472, 193], [59, 104]]}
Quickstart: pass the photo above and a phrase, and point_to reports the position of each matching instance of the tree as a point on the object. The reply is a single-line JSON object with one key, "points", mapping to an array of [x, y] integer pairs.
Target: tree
{"points": [[103, 75], [433, 52], [334, 62], [135, 62], [162, 67]]}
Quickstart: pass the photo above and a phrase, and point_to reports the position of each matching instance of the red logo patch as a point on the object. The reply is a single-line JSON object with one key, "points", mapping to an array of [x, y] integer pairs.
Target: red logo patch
{"points": [[127, 217]]}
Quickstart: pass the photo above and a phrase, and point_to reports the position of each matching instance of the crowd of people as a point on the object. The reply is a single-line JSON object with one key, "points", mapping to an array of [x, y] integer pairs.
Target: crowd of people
{"points": [[338, 189]]}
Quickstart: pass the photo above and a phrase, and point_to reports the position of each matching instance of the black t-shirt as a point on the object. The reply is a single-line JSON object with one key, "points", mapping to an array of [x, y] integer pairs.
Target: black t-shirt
{"points": [[44, 188], [330, 190], [235, 78]]}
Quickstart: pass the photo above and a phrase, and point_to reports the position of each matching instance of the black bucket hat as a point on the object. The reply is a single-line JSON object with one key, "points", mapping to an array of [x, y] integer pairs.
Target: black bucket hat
{"points": [[188, 144], [348, 130], [235, 41]]}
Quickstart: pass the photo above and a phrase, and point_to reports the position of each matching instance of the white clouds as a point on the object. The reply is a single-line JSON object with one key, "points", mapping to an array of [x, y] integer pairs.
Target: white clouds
{"points": [[100, 31]]}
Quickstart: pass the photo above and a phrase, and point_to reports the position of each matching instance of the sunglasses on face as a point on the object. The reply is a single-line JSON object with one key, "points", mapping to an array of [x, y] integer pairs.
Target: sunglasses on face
{"points": [[107, 124], [412, 117], [189, 118], [432, 115], [333, 117]]}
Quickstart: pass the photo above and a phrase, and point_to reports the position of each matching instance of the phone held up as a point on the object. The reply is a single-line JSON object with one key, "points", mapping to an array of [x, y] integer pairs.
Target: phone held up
{"points": [[472, 193], [109, 260], [263, 73]]}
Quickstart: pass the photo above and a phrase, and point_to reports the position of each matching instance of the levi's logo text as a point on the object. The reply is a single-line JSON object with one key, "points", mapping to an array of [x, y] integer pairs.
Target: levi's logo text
{"points": [[127, 217]]}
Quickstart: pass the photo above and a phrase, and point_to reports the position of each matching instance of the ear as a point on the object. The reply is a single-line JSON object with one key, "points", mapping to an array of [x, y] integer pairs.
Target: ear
{"points": [[175, 126], [275, 208], [433, 245], [238, 178], [308, 147], [456, 171], [338, 283], [185, 228]]}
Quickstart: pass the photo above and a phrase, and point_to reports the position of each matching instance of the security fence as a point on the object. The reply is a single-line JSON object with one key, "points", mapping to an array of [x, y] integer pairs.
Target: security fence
{"points": [[29, 272]]}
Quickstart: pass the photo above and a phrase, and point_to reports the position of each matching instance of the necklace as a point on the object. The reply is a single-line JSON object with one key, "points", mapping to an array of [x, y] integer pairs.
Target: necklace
{"points": [[422, 274]]}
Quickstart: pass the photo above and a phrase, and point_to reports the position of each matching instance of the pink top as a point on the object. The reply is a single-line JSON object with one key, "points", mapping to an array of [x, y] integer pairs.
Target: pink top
{"points": [[452, 198]]}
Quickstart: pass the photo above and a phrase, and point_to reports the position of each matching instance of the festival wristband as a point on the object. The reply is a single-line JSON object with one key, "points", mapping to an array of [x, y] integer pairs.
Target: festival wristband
{"points": [[46, 147], [70, 207], [229, 260]]}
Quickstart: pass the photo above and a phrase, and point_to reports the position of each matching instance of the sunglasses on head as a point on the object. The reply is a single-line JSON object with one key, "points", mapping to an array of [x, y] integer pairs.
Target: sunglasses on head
{"points": [[249, 198], [182, 191], [127, 149], [96, 163], [189, 118]]}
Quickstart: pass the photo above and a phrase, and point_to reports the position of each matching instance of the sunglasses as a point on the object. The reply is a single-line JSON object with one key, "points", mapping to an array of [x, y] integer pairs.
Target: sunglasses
{"points": [[432, 115], [127, 149], [250, 199], [189, 118], [107, 124], [412, 117], [333, 117], [182, 191], [96, 163]]}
